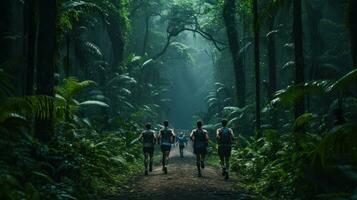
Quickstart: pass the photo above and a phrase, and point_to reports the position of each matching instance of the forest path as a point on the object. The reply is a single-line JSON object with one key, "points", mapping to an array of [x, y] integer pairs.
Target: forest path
{"points": [[182, 182]]}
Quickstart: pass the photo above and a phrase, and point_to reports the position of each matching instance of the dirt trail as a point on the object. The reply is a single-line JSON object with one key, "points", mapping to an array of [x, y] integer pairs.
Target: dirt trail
{"points": [[182, 182]]}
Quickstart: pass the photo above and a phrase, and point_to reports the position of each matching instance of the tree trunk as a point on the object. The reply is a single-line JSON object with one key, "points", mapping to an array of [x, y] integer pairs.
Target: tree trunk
{"points": [[5, 28], [299, 107], [272, 59], [272, 87], [316, 45], [30, 27], [229, 10], [146, 34], [116, 37], [46, 48], [256, 29], [353, 29]]}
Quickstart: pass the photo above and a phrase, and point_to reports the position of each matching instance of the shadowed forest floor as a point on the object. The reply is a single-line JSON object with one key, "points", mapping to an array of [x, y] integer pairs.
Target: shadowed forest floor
{"points": [[182, 182]]}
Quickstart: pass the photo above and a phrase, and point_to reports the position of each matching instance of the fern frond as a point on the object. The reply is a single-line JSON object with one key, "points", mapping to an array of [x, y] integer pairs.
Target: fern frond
{"points": [[5, 86], [71, 86]]}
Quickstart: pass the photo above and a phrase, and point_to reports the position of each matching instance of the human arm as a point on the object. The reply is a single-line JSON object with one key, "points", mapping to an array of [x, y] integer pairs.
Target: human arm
{"points": [[158, 137], [218, 135], [232, 134], [192, 136], [206, 135], [173, 136]]}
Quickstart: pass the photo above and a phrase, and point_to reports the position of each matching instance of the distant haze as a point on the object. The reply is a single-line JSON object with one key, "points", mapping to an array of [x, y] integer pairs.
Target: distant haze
{"points": [[190, 83]]}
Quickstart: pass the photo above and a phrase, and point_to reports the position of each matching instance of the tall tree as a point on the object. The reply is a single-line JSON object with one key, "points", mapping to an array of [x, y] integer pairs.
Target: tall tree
{"points": [[271, 50], [46, 51], [256, 30], [314, 14], [353, 29], [299, 107], [271, 57], [116, 35], [229, 17], [29, 43], [5, 30]]}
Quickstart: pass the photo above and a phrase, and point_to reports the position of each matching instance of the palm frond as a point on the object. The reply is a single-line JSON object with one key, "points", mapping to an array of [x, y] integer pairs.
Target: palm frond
{"points": [[343, 82], [72, 86], [289, 96]]}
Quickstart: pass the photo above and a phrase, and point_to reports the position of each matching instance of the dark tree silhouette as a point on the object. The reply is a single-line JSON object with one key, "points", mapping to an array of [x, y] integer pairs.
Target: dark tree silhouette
{"points": [[353, 29], [229, 11], [299, 55], [256, 28], [5, 26], [29, 44], [46, 51]]}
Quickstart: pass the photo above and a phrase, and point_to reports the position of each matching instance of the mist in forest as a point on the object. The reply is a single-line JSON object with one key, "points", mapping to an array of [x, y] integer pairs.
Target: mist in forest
{"points": [[190, 82], [273, 81]]}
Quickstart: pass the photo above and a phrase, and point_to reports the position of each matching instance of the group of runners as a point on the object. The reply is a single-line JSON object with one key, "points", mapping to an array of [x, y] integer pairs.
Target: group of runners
{"points": [[199, 137]]}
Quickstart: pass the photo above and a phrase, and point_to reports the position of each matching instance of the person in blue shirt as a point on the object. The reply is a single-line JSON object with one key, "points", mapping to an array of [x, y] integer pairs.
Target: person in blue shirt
{"points": [[182, 142]]}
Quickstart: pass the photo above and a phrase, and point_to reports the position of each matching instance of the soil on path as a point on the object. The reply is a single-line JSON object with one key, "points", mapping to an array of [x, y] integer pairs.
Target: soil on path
{"points": [[182, 183]]}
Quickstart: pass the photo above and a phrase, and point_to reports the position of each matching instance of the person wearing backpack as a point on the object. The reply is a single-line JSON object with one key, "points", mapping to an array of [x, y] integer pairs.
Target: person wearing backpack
{"points": [[199, 136], [182, 142], [224, 138], [166, 138], [148, 138]]}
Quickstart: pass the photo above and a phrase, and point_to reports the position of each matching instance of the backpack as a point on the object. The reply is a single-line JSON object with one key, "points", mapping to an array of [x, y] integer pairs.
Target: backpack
{"points": [[225, 136]]}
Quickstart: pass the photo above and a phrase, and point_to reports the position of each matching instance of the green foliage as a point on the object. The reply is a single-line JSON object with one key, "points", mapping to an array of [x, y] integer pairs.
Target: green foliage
{"points": [[79, 163], [289, 96]]}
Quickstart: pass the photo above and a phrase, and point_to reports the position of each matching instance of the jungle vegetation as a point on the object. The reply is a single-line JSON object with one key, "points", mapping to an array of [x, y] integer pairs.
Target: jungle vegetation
{"points": [[80, 78]]}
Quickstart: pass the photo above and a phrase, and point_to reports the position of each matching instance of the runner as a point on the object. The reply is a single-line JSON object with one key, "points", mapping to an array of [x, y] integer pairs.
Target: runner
{"points": [[148, 138], [199, 136], [182, 141], [166, 138], [224, 138]]}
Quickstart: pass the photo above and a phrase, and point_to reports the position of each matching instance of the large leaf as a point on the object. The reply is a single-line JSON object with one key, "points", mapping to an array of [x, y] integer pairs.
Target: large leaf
{"points": [[303, 119], [293, 93], [343, 82], [71, 86], [94, 103]]}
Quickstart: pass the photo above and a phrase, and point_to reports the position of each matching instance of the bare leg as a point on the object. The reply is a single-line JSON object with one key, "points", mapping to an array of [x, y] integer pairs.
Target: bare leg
{"points": [[203, 156], [227, 166], [198, 164], [150, 164], [223, 165], [146, 162], [165, 161], [227, 163]]}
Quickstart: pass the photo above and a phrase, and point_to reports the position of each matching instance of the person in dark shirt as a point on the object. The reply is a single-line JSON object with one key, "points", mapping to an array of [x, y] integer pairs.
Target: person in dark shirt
{"points": [[199, 136], [148, 138]]}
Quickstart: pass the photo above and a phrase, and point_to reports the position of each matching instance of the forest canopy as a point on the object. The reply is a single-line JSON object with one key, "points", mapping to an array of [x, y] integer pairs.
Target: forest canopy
{"points": [[79, 79]]}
